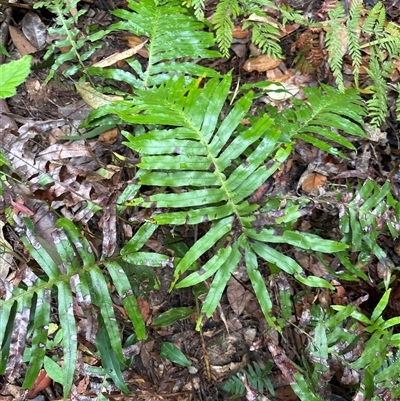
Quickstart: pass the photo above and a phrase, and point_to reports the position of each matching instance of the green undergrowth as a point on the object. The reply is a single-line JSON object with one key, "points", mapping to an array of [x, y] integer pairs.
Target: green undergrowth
{"points": [[197, 166]]}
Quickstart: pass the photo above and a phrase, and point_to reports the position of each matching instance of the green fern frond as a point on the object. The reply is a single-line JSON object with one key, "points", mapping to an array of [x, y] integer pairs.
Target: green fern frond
{"points": [[377, 105], [297, 16], [222, 20], [374, 23], [173, 34], [195, 159], [334, 43], [70, 271], [266, 37], [256, 376], [198, 7], [353, 36], [73, 39], [313, 122], [372, 211]]}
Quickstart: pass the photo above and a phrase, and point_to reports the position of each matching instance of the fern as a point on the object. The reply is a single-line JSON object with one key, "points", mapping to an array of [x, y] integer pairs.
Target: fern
{"points": [[353, 36], [266, 37], [74, 40], [375, 21], [172, 33], [69, 267], [377, 105], [256, 376], [371, 212], [334, 43], [222, 20], [196, 159], [198, 7], [313, 122]]}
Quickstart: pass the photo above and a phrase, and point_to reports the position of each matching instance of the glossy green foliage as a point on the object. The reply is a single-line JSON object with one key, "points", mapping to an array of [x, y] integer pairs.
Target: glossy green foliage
{"points": [[71, 274], [213, 166], [72, 41], [13, 74], [317, 121], [256, 376], [371, 212], [173, 34]]}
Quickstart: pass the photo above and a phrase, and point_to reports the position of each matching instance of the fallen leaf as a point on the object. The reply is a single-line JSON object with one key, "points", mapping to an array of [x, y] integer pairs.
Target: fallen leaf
{"points": [[313, 181], [239, 33], [114, 58], [261, 63], [93, 97], [109, 137], [144, 308], [41, 383], [238, 296], [34, 29], [21, 42]]}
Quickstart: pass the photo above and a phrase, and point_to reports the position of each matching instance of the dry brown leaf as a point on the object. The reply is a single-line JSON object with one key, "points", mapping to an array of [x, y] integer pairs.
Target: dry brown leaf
{"points": [[21, 42], [239, 33], [313, 181], [109, 137], [60, 151], [133, 41], [144, 308], [238, 296], [114, 58], [41, 383], [261, 63], [34, 29]]}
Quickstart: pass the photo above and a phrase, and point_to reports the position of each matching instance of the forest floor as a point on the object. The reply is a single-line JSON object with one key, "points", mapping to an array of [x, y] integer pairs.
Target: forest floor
{"points": [[223, 347]]}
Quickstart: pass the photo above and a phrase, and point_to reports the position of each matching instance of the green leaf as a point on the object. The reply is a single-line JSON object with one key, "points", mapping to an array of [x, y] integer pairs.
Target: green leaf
{"points": [[259, 286], [53, 370], [129, 301], [109, 360], [99, 288], [220, 280], [174, 354], [172, 315], [383, 302], [70, 341], [13, 74], [40, 324], [273, 256], [207, 270]]}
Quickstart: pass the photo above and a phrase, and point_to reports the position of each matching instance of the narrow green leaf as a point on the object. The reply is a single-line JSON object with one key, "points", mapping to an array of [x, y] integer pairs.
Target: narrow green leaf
{"points": [[103, 301], [53, 370], [174, 354], [109, 360], [129, 301], [39, 339], [374, 352], [259, 286], [220, 280], [313, 281], [172, 315], [273, 256], [221, 228], [382, 304], [80, 242], [207, 270], [139, 239], [37, 251], [70, 341]]}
